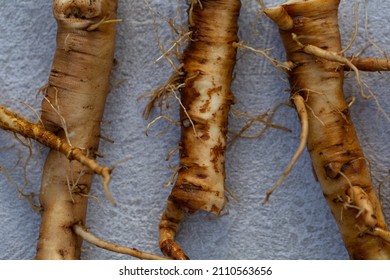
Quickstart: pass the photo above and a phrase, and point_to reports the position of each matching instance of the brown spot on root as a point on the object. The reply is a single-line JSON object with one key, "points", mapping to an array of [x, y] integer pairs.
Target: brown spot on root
{"points": [[188, 168], [213, 91], [217, 153], [201, 176], [336, 200], [189, 188], [202, 60], [172, 220], [62, 253], [325, 195], [348, 160], [180, 200], [80, 189], [171, 249], [322, 110], [190, 199], [298, 21], [205, 107], [79, 9], [167, 227], [332, 170], [345, 113], [215, 209], [188, 94], [205, 136], [354, 166]]}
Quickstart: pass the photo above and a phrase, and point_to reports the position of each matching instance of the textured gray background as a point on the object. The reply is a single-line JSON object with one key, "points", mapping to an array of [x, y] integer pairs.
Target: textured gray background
{"points": [[296, 225]]}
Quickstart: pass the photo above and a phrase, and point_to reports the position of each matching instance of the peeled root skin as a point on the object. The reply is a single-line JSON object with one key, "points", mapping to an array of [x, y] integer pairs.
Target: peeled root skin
{"points": [[208, 63]]}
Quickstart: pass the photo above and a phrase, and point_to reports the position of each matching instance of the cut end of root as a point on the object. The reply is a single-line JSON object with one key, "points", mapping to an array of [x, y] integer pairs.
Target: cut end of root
{"points": [[267, 196], [280, 17]]}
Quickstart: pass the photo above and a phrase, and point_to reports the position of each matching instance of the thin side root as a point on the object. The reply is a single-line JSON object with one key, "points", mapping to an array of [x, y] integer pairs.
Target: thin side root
{"points": [[161, 93], [89, 237], [17, 124], [299, 103], [265, 119], [332, 56], [157, 119], [103, 21], [232, 194], [284, 66], [193, 3]]}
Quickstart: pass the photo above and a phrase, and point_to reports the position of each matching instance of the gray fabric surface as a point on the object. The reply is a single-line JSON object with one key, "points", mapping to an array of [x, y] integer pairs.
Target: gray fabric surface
{"points": [[296, 225]]}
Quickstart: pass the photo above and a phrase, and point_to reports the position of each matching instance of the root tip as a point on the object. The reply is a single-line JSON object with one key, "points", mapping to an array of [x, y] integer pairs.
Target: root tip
{"points": [[266, 199], [106, 178], [173, 250]]}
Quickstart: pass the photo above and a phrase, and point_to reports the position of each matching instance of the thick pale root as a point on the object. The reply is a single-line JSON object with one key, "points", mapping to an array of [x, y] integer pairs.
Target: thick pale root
{"points": [[206, 97], [72, 109], [313, 45]]}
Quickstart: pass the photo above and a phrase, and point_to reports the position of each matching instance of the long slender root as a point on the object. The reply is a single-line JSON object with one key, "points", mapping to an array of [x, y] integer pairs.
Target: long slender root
{"points": [[30, 196], [284, 66], [157, 119], [300, 106], [265, 119], [91, 238], [17, 124]]}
